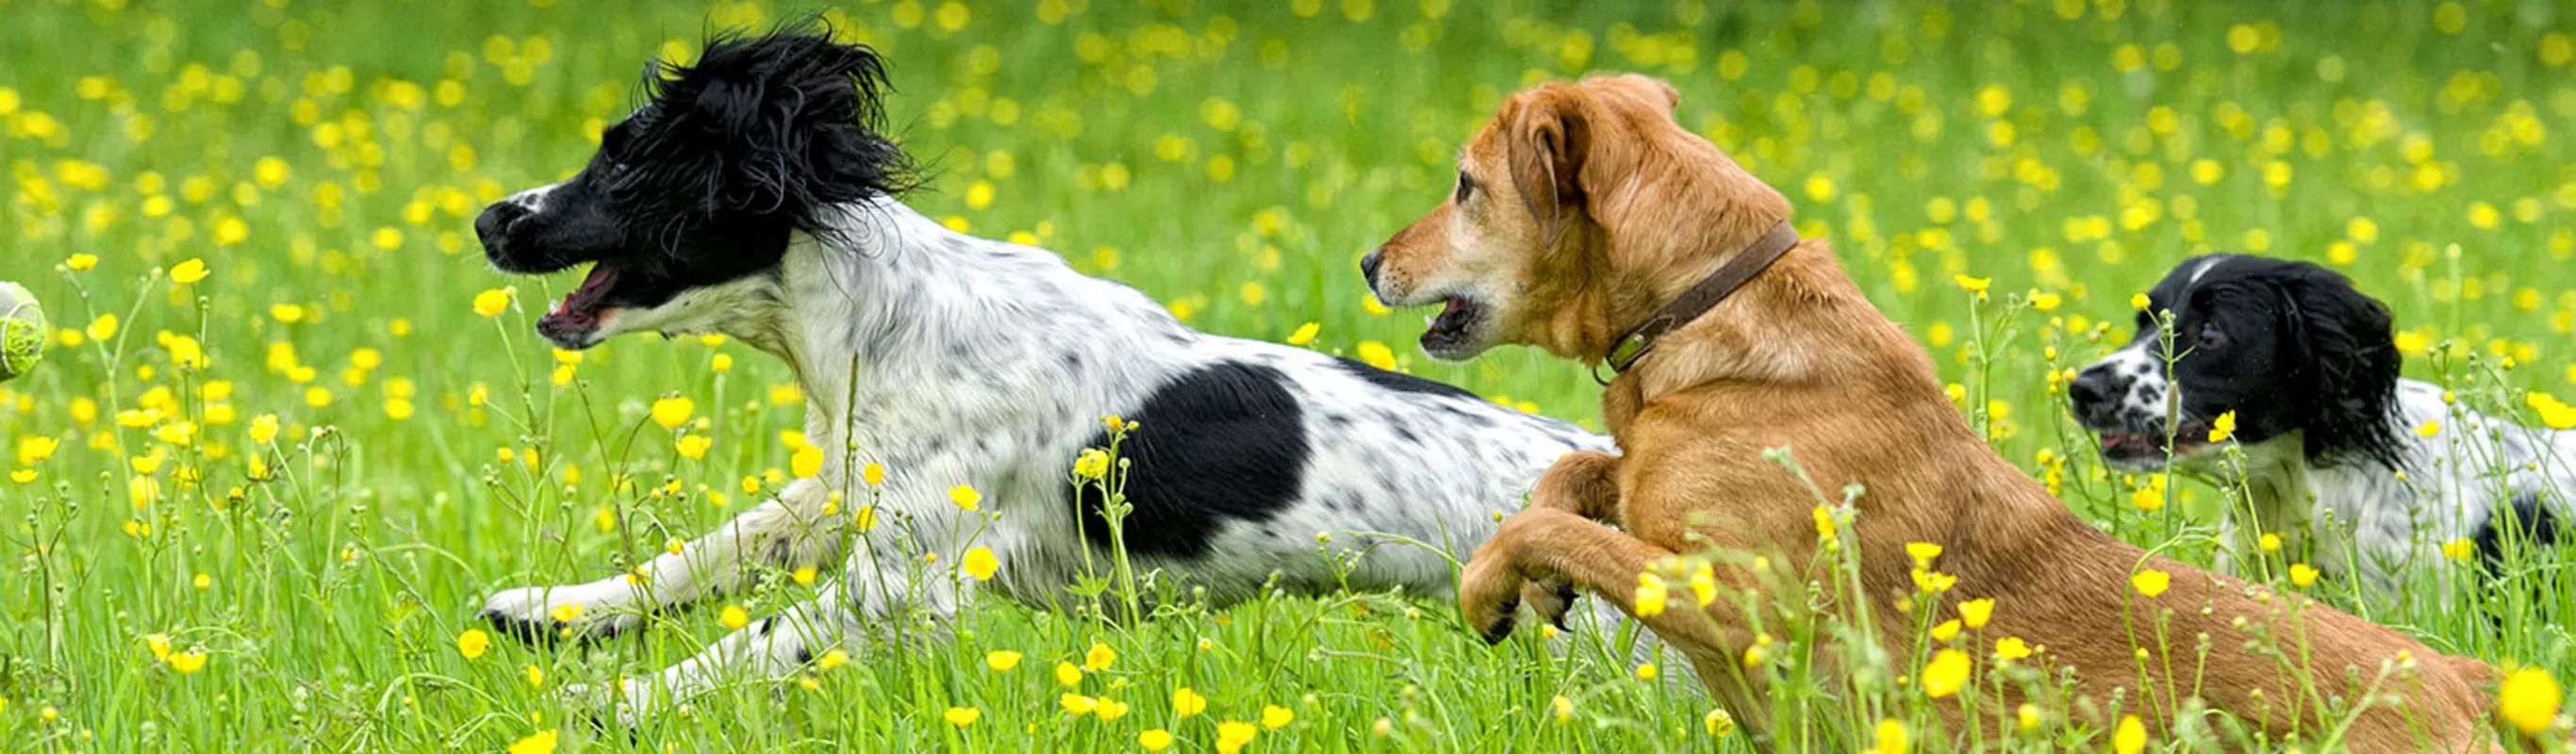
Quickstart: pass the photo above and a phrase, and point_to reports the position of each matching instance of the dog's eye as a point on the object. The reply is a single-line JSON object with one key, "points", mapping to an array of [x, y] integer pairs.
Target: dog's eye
{"points": [[1466, 185], [2211, 336]]}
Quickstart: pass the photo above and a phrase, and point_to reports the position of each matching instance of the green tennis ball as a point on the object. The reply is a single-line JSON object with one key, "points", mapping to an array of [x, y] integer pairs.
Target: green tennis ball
{"points": [[22, 331]]}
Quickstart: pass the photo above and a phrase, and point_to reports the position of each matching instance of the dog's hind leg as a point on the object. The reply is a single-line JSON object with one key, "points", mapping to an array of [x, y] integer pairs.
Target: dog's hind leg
{"points": [[790, 532]]}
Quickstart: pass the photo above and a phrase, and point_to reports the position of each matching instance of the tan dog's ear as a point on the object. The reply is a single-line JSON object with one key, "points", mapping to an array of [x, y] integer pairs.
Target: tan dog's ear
{"points": [[1546, 148], [1648, 87]]}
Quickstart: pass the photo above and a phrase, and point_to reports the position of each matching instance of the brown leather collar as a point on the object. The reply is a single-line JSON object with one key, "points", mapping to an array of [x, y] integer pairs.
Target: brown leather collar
{"points": [[1701, 297]]}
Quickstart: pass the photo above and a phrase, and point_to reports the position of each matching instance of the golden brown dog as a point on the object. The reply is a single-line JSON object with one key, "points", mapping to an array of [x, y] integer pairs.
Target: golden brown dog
{"points": [[1581, 209]]}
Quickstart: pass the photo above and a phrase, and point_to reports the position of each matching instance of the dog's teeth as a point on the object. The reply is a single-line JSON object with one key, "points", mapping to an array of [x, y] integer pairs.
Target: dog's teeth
{"points": [[1427, 319], [554, 306]]}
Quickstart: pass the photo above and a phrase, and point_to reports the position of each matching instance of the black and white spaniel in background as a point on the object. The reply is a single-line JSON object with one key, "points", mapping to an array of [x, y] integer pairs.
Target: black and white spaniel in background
{"points": [[2309, 366], [753, 196]]}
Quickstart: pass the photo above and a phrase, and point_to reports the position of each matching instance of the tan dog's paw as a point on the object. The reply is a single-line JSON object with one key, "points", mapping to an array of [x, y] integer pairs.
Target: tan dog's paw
{"points": [[1489, 595], [1549, 600]]}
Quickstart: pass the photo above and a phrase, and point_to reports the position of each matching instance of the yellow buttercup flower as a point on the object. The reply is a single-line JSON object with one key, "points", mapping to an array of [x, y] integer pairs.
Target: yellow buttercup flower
{"points": [[1275, 717], [36, 449], [1718, 723], [1155, 740], [2011, 648], [962, 716], [1972, 285], [542, 742], [1946, 673], [1077, 704], [2223, 427], [1232, 736], [188, 272], [873, 473], [2131, 737], [2429, 428], [2150, 582], [1110, 710], [2270, 542], [1376, 354], [2553, 413], [188, 662], [81, 262], [966, 497], [1946, 630], [2529, 699], [1892, 737], [1650, 595], [1092, 464], [734, 617], [1305, 333], [980, 563], [1186, 702], [1922, 552], [1099, 658], [1002, 660], [472, 643], [492, 302], [672, 412], [2140, 302], [1975, 612], [2302, 575], [1066, 673]]}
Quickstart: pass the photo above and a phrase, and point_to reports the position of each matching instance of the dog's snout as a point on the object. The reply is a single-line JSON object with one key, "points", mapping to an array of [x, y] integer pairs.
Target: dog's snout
{"points": [[494, 224], [2097, 385], [1369, 264]]}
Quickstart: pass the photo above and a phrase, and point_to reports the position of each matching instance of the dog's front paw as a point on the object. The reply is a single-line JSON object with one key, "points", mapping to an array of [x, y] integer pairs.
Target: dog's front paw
{"points": [[1489, 598], [615, 708], [1550, 600], [546, 614]]}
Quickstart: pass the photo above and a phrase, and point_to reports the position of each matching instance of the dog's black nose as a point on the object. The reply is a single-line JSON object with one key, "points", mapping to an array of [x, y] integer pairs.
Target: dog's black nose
{"points": [[1368, 265], [2097, 385], [495, 221]]}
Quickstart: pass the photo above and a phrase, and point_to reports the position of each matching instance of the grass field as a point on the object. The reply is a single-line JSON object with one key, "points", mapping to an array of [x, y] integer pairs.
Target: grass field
{"points": [[282, 488]]}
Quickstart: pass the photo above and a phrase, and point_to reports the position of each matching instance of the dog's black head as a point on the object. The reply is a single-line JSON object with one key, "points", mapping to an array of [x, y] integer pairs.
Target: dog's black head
{"points": [[2290, 347], [703, 185]]}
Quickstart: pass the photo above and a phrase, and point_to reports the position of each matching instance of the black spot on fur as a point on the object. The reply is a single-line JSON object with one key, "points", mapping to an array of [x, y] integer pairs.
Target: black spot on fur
{"points": [[1223, 443], [2524, 521], [1402, 383], [804, 655]]}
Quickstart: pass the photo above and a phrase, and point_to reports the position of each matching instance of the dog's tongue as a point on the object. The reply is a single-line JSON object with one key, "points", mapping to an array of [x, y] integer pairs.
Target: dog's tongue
{"points": [[581, 306]]}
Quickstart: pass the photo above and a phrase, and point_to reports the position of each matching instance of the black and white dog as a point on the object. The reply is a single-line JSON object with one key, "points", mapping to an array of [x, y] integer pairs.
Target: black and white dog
{"points": [[2309, 367], [752, 196]]}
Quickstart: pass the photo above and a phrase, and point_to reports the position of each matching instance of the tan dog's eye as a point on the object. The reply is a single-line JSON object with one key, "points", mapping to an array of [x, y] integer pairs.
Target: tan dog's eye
{"points": [[1466, 185]]}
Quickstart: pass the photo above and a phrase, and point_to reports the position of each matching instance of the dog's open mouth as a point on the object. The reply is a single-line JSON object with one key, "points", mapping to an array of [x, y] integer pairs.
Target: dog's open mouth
{"points": [[1453, 326], [573, 323], [2147, 451]]}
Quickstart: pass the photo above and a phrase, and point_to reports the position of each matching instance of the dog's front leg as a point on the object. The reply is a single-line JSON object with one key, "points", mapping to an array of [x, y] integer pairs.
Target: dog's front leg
{"points": [[888, 596], [768, 649], [792, 531], [1586, 484]]}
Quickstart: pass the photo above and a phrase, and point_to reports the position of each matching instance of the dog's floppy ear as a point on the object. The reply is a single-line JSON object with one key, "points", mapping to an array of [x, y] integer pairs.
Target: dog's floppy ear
{"points": [[1547, 141], [796, 115], [2347, 365]]}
